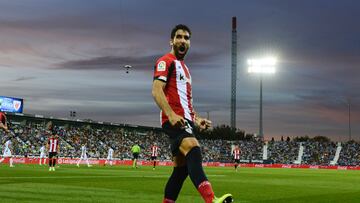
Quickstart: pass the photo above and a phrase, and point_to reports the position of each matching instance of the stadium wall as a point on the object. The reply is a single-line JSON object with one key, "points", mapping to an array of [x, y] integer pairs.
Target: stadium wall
{"points": [[22, 160]]}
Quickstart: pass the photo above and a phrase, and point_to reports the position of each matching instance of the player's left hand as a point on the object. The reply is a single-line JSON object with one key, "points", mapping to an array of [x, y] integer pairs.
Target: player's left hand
{"points": [[203, 123]]}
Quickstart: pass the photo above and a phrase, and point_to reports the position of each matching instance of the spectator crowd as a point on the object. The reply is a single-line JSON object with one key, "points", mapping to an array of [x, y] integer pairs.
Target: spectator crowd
{"points": [[29, 138]]}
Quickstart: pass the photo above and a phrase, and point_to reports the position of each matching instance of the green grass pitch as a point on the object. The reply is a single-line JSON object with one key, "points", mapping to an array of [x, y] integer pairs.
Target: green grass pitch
{"points": [[33, 183]]}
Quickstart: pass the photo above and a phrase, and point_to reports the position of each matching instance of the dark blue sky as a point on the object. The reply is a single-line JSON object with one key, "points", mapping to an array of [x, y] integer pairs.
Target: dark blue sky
{"points": [[61, 56]]}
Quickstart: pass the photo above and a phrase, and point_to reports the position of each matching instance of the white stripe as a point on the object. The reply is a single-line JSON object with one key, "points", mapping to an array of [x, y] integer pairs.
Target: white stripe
{"points": [[182, 90]]}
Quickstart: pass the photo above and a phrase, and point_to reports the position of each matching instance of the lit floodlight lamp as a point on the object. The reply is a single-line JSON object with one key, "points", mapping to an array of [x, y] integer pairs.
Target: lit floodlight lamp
{"points": [[263, 65]]}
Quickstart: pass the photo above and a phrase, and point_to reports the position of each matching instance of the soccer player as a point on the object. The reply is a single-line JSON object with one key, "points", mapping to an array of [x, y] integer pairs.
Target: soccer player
{"points": [[3, 122], [135, 151], [172, 93], [42, 155], [53, 147], [7, 152], [83, 156], [236, 154], [154, 154], [110, 156], [8, 144]]}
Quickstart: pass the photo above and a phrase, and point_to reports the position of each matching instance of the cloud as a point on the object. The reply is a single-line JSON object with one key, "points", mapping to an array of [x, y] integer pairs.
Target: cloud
{"points": [[110, 63], [24, 78], [139, 63]]}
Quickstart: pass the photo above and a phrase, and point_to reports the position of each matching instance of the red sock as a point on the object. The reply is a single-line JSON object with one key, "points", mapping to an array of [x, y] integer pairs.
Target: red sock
{"points": [[206, 191], [168, 201]]}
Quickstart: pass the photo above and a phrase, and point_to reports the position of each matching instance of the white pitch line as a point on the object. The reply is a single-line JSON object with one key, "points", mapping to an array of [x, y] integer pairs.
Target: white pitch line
{"points": [[70, 177]]}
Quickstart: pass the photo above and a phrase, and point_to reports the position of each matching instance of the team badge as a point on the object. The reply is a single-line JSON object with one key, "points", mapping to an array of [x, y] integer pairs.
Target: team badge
{"points": [[161, 66], [17, 105]]}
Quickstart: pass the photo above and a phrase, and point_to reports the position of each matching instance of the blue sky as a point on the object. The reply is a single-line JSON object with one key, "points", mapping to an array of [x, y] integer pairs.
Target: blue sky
{"points": [[62, 56]]}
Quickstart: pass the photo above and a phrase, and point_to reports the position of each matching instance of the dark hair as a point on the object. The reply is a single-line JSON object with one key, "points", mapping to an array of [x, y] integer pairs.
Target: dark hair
{"points": [[180, 27]]}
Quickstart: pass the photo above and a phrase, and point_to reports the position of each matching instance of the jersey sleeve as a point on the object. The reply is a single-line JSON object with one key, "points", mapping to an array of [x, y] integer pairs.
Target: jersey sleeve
{"points": [[162, 69]]}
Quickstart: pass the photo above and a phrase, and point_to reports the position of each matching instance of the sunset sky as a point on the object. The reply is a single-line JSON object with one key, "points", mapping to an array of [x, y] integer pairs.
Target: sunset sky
{"points": [[62, 56]]}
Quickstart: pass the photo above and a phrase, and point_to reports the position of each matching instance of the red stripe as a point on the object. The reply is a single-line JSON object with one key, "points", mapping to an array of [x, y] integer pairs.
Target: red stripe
{"points": [[172, 96], [188, 90]]}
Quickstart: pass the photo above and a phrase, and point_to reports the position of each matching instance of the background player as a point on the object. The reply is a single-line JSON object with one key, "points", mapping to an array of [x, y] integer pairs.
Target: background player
{"points": [[3, 122], [7, 152], [8, 144], [110, 156], [53, 146], [83, 156], [154, 154], [135, 151], [42, 155], [236, 154]]}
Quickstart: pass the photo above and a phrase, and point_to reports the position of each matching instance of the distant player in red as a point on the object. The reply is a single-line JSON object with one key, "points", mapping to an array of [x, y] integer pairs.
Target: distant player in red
{"points": [[3, 122], [154, 154], [236, 154], [172, 92], [53, 147]]}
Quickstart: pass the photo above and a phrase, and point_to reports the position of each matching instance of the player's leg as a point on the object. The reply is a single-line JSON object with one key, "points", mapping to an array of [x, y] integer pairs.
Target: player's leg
{"points": [[50, 161], [176, 180], [154, 162], [87, 161], [135, 160], [54, 162], [11, 161], [2, 159], [79, 161], [190, 148], [40, 163]]}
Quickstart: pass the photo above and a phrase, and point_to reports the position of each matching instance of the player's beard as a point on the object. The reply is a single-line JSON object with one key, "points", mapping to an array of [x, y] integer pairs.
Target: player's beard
{"points": [[180, 51]]}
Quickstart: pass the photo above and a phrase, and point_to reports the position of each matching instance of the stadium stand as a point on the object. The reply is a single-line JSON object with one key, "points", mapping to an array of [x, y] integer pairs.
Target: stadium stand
{"points": [[31, 135]]}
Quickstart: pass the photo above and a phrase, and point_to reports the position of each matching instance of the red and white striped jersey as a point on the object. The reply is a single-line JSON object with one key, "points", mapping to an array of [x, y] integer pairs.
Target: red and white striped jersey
{"points": [[53, 144], [178, 89], [236, 153], [154, 150]]}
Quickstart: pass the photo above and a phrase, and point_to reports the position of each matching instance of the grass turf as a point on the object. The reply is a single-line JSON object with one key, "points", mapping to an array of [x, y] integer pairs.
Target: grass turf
{"points": [[33, 183]]}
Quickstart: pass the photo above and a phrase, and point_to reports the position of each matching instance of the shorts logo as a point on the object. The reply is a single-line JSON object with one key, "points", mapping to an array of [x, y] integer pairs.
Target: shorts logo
{"points": [[161, 66], [188, 128]]}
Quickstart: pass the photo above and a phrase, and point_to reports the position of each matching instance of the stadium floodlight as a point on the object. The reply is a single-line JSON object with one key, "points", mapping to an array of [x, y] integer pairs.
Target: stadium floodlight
{"points": [[263, 65], [266, 65]]}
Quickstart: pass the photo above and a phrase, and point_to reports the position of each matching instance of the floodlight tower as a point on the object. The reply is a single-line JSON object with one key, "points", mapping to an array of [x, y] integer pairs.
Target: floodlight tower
{"points": [[262, 66], [233, 73]]}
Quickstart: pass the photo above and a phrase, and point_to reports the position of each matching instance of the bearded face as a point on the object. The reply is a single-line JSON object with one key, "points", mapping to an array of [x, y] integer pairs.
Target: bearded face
{"points": [[180, 43]]}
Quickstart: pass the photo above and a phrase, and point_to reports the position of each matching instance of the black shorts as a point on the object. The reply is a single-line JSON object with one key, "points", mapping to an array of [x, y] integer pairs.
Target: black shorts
{"points": [[153, 157], [136, 155], [237, 161], [52, 155], [176, 135]]}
